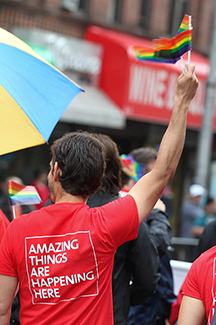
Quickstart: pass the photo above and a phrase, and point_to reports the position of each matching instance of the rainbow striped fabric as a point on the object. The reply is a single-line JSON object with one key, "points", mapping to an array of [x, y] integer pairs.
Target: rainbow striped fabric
{"points": [[185, 24], [22, 195], [132, 168], [167, 50]]}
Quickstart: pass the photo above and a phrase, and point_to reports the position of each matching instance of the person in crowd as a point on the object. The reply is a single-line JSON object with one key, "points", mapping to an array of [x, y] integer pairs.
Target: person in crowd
{"points": [[156, 308], [207, 239], [62, 255], [209, 214], [135, 260], [199, 289], [198, 302], [191, 210], [143, 160], [40, 183]]}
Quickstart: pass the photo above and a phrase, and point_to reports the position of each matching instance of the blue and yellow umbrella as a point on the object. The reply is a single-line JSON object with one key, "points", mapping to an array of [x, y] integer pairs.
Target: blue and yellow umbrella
{"points": [[33, 95]]}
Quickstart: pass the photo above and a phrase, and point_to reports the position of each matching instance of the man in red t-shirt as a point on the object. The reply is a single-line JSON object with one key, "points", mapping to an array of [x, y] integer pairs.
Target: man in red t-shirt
{"points": [[62, 255], [199, 291]]}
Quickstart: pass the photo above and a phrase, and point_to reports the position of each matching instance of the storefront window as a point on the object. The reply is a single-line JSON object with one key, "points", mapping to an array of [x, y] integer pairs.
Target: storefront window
{"points": [[118, 11], [144, 14], [178, 9]]}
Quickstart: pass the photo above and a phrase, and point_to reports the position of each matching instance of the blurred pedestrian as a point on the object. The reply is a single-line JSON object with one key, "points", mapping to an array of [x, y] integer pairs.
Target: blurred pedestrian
{"points": [[190, 210], [199, 291], [208, 214], [156, 308], [207, 238], [136, 269]]}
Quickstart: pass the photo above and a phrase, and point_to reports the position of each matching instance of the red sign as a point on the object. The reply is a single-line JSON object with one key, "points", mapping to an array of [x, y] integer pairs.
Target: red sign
{"points": [[151, 91], [145, 90]]}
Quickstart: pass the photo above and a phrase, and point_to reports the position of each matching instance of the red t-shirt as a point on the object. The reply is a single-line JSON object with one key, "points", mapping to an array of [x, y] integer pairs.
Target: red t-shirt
{"points": [[63, 257], [201, 281]]}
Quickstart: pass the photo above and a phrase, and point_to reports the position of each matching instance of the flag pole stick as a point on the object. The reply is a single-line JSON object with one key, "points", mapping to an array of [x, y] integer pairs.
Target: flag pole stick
{"points": [[14, 213], [189, 52], [183, 70]]}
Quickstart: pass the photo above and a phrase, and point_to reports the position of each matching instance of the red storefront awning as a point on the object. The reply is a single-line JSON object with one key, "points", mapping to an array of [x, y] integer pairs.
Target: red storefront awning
{"points": [[145, 90]]}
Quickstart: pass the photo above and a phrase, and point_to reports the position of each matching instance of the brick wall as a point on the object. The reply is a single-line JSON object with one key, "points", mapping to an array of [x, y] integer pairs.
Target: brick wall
{"points": [[131, 13], [203, 25], [29, 18], [98, 10], [160, 12], [48, 14]]}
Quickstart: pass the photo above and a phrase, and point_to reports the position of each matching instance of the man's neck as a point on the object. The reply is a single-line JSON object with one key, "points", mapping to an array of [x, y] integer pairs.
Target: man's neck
{"points": [[69, 198]]}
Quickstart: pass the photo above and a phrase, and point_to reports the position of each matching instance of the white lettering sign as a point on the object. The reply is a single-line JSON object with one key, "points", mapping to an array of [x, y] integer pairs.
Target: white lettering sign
{"points": [[147, 85], [156, 87], [54, 263]]}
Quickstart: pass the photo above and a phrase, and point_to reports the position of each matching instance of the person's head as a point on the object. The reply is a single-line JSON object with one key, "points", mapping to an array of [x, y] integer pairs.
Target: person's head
{"points": [[195, 193], [210, 205], [79, 156], [111, 181], [146, 156]]}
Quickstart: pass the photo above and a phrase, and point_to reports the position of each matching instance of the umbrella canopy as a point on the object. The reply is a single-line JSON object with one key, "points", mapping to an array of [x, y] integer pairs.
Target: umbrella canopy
{"points": [[33, 95]]}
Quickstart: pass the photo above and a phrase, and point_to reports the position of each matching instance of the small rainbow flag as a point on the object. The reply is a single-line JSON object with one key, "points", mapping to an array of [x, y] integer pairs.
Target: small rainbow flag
{"points": [[185, 24], [132, 168], [173, 49], [167, 50], [22, 195]]}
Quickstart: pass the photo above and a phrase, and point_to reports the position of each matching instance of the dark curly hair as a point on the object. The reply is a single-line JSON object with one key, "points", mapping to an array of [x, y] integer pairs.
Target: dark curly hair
{"points": [[80, 157], [111, 182]]}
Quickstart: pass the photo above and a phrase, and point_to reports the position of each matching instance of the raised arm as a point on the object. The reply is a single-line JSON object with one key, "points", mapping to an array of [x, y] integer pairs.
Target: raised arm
{"points": [[149, 188]]}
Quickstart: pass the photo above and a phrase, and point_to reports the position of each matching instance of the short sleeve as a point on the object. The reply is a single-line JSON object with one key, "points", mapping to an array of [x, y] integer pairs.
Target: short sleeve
{"points": [[121, 219], [6, 265], [191, 286]]}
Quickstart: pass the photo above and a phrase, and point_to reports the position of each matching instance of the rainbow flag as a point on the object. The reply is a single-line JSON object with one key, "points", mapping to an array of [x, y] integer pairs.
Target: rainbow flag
{"points": [[167, 50], [185, 24], [173, 49], [22, 195], [132, 168]]}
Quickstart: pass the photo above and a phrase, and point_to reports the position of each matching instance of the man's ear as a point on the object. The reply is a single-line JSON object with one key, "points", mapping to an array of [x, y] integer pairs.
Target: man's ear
{"points": [[57, 171]]}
